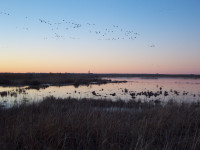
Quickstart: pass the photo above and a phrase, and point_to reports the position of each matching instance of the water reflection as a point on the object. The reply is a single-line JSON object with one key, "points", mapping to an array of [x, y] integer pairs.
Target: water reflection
{"points": [[136, 88]]}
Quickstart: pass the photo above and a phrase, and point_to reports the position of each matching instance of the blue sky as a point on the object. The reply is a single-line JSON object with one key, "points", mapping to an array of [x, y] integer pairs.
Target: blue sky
{"points": [[167, 36]]}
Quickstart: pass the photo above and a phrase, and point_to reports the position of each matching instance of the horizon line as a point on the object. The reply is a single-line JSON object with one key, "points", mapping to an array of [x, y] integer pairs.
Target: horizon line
{"points": [[98, 73]]}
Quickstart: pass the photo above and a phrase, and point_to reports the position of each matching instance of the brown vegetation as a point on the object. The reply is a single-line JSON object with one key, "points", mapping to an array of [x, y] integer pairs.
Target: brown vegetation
{"points": [[39, 80], [100, 124]]}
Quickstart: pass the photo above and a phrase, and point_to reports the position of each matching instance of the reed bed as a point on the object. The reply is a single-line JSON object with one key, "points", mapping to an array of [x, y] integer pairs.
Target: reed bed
{"points": [[88, 124]]}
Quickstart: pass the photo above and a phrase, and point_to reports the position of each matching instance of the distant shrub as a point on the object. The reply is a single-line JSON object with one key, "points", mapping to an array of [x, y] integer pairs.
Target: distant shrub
{"points": [[5, 82], [35, 83]]}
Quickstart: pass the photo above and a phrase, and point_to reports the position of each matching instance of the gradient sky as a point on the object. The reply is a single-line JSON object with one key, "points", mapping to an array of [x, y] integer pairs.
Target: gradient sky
{"points": [[167, 36]]}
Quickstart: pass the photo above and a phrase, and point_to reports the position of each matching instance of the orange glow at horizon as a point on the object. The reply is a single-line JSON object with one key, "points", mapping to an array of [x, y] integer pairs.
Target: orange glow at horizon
{"points": [[81, 61], [95, 68]]}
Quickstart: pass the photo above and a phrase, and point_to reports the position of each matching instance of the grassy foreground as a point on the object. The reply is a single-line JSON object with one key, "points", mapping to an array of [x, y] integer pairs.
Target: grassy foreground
{"points": [[100, 124]]}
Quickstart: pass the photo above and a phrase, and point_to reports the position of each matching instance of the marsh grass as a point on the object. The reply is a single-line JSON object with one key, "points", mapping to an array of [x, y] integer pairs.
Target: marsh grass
{"points": [[35, 80], [90, 124]]}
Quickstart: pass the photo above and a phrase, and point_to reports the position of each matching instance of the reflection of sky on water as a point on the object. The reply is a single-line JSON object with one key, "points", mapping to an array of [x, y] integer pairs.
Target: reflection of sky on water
{"points": [[192, 86]]}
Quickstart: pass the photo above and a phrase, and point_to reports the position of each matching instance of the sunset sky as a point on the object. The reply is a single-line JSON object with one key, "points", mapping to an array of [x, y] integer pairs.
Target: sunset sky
{"points": [[103, 36]]}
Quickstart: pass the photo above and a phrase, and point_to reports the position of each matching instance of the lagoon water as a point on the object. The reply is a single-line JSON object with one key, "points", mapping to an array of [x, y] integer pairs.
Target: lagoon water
{"points": [[180, 90]]}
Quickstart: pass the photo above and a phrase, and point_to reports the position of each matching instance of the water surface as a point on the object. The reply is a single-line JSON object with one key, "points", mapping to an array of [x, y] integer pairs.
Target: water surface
{"points": [[181, 90]]}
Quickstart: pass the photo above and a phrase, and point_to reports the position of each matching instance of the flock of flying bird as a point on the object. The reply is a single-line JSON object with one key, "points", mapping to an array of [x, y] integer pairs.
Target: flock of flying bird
{"points": [[4, 13], [60, 29], [105, 34]]}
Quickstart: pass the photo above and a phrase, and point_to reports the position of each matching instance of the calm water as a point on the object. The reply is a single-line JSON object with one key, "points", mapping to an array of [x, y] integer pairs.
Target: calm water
{"points": [[186, 90]]}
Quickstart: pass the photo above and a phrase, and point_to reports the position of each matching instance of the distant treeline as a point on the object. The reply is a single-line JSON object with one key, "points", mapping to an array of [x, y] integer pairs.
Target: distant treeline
{"points": [[86, 75], [151, 75]]}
